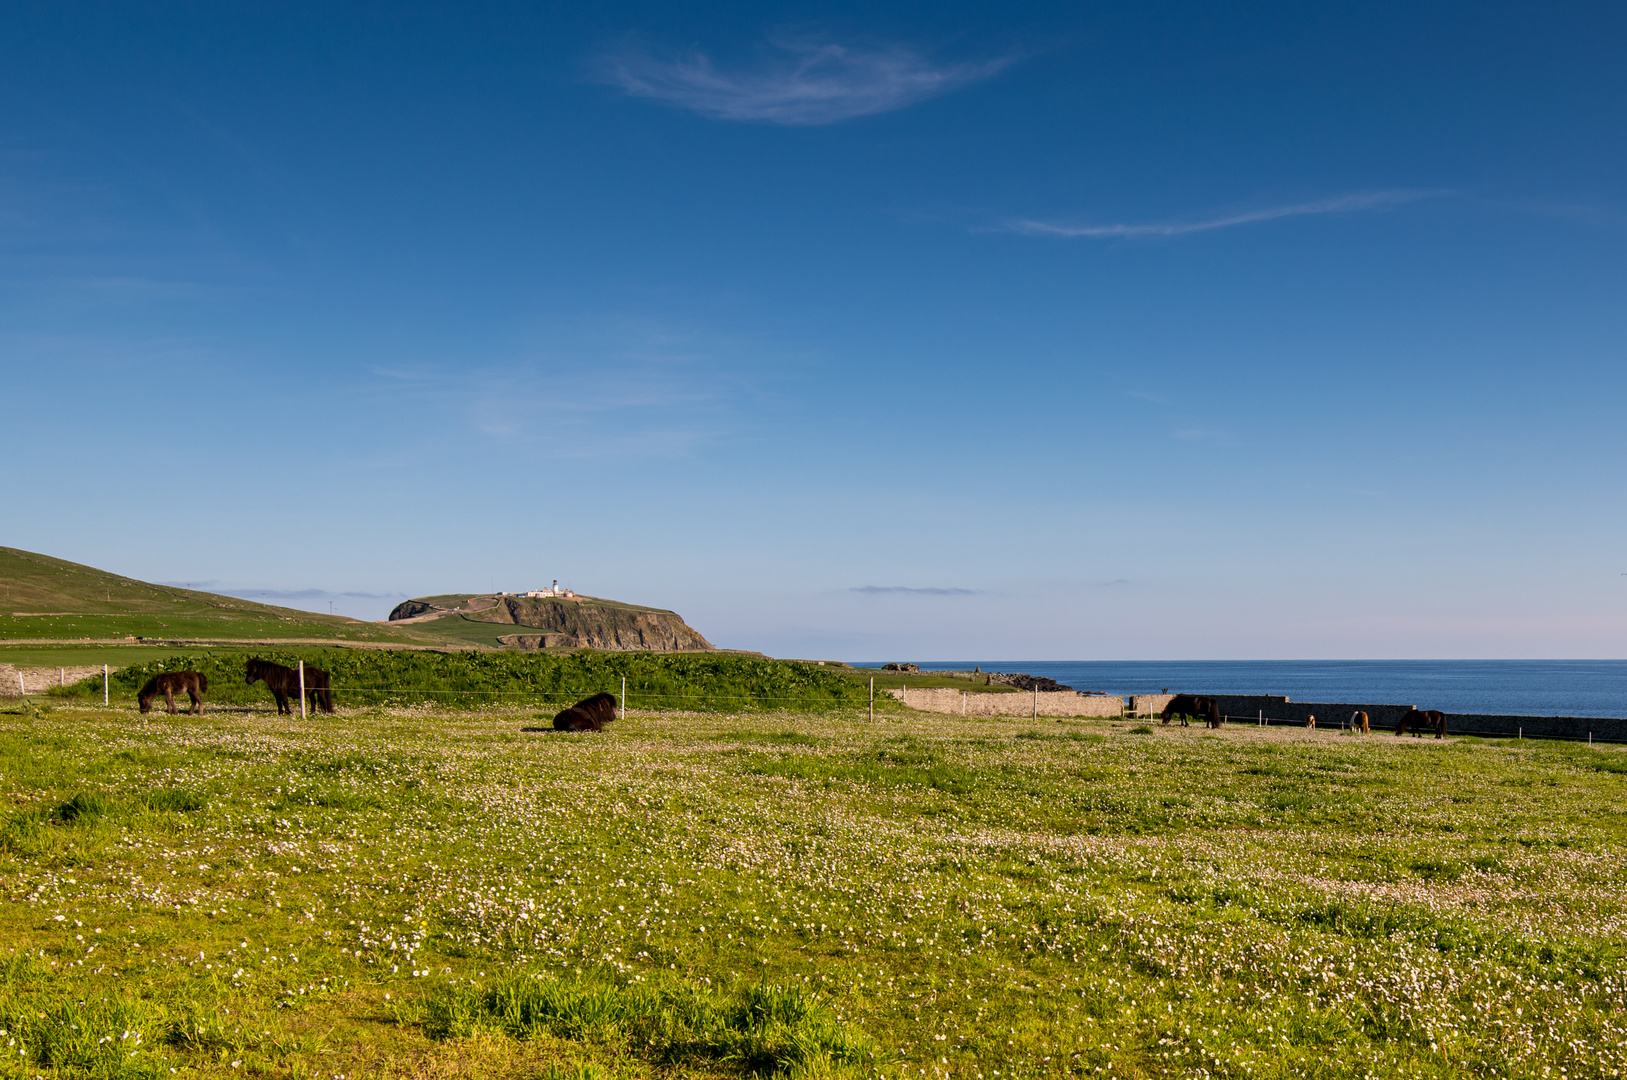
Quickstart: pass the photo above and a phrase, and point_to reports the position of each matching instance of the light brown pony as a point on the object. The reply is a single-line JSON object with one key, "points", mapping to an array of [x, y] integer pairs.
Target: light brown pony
{"points": [[1358, 722]]}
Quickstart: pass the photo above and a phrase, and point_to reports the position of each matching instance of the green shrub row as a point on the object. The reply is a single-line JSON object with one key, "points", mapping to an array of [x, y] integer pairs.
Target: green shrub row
{"points": [[458, 680]]}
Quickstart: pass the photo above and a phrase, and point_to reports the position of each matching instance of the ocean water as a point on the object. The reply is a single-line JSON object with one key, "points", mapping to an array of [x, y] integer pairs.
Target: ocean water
{"points": [[1511, 687]]}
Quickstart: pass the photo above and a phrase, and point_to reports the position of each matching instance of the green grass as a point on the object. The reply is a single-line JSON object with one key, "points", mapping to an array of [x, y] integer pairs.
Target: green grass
{"points": [[114, 656], [404, 893]]}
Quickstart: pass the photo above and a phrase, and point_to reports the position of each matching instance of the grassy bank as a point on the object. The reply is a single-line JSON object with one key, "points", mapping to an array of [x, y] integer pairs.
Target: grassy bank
{"points": [[410, 894], [48, 599], [465, 680]]}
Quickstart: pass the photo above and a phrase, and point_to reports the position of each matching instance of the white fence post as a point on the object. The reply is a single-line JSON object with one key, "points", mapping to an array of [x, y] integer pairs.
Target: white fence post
{"points": [[61, 678], [872, 697], [104, 684], [624, 697], [302, 689], [21, 689]]}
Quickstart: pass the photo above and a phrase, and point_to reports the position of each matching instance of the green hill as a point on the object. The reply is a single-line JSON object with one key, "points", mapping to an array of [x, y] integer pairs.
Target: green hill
{"points": [[47, 599]]}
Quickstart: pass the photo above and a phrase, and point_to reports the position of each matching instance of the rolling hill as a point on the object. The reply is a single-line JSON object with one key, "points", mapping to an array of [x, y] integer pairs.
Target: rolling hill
{"points": [[44, 599]]}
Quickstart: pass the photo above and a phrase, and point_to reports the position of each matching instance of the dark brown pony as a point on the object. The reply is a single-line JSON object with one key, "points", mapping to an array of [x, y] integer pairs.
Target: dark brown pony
{"points": [[1420, 720], [283, 681], [591, 714], [1187, 705], [171, 683]]}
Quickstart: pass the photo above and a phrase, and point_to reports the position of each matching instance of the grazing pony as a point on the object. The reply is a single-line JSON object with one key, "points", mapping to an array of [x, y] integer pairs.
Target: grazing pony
{"points": [[1419, 720], [1358, 722], [591, 714], [283, 681], [1187, 705], [1310, 721], [171, 683]]}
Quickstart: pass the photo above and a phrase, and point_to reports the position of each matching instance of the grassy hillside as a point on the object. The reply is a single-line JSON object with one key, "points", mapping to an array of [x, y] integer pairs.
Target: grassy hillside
{"points": [[46, 598]]}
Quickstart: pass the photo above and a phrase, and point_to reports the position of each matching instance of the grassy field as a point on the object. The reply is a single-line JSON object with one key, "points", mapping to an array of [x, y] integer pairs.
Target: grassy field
{"points": [[416, 893]]}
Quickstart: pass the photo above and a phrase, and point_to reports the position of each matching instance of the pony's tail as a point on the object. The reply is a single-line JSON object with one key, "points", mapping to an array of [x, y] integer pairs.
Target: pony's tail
{"points": [[203, 683], [326, 696]]}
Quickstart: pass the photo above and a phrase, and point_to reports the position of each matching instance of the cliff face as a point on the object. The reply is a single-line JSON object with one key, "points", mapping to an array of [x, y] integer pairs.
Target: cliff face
{"points": [[563, 624], [592, 626]]}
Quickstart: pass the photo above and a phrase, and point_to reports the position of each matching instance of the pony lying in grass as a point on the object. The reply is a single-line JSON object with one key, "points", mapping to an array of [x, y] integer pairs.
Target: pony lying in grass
{"points": [[1191, 705], [591, 714], [171, 683], [283, 681], [1421, 720]]}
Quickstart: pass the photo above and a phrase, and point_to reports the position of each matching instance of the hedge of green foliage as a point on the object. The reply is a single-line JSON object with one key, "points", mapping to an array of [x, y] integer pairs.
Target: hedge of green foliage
{"points": [[459, 680]]}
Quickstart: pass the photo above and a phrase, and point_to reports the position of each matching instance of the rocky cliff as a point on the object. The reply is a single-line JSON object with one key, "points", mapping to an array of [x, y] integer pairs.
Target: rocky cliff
{"points": [[580, 623]]}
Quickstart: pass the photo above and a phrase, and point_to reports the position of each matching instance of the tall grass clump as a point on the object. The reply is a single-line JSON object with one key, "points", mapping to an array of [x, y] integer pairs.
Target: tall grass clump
{"points": [[768, 1031], [99, 1039]]}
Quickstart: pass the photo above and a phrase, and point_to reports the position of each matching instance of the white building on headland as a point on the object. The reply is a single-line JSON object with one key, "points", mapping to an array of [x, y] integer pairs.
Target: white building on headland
{"points": [[556, 591]]}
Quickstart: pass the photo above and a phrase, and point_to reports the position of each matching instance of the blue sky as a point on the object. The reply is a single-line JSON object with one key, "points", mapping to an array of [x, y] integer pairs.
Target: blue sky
{"points": [[870, 332]]}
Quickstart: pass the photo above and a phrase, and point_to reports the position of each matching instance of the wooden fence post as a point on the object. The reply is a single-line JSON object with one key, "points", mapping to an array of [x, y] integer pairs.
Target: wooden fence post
{"points": [[302, 689], [624, 697], [872, 698], [104, 684]]}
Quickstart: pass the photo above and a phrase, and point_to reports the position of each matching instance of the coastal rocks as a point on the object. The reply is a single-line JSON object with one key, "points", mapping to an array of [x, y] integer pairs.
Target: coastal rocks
{"points": [[909, 669], [1028, 682], [575, 622], [541, 641], [587, 625]]}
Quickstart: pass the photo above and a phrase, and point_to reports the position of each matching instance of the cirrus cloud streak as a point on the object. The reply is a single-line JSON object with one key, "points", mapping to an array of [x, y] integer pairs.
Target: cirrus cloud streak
{"points": [[811, 84], [878, 590], [1342, 204]]}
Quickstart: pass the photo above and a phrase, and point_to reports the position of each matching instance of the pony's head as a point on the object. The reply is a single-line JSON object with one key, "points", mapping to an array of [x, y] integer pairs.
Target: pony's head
{"points": [[252, 667], [145, 701]]}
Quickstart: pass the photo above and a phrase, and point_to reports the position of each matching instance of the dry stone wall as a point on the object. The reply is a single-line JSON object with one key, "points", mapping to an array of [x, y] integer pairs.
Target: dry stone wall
{"points": [[16, 681], [1056, 703], [1278, 710]]}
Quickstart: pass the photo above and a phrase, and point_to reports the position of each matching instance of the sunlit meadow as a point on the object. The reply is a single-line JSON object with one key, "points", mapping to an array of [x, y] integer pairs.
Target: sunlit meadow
{"points": [[415, 893]]}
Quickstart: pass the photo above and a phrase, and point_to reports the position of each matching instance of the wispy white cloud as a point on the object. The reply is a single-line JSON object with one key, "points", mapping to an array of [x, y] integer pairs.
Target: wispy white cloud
{"points": [[597, 387], [809, 83], [1342, 204], [245, 592], [876, 590]]}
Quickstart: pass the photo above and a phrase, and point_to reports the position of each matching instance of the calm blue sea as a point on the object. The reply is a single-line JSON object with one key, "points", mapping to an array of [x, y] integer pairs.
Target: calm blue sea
{"points": [[1521, 687]]}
